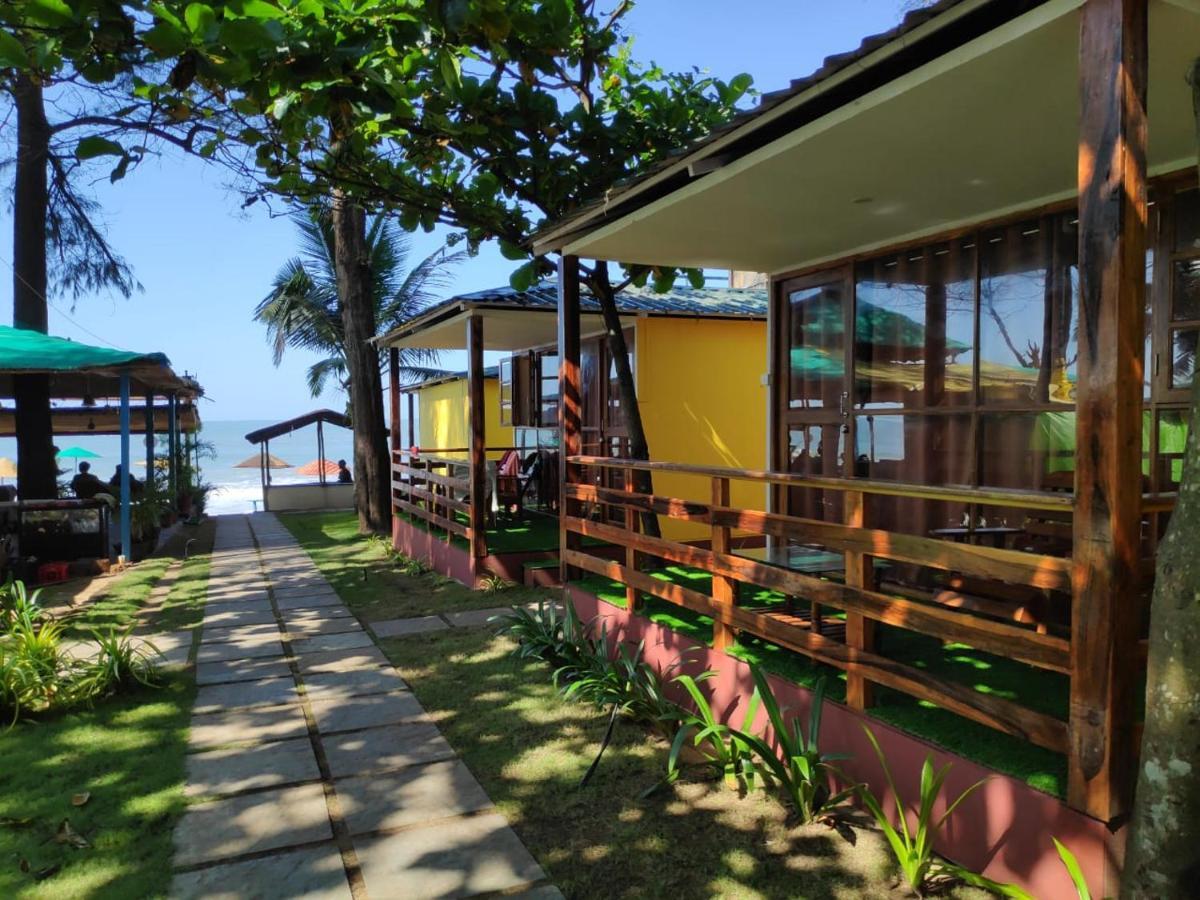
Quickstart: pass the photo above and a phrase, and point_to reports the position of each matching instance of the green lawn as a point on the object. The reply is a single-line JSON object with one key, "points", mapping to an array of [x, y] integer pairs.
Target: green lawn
{"points": [[128, 754], [1040, 690], [529, 749], [370, 581]]}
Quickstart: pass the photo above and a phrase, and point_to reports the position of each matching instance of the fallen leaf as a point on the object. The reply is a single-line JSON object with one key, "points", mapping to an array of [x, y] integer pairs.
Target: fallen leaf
{"points": [[10, 822], [68, 835], [43, 874], [23, 865], [81, 798]]}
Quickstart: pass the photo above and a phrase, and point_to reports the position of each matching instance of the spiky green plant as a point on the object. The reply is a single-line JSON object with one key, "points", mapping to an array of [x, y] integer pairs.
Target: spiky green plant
{"points": [[120, 663], [796, 764], [913, 847], [723, 749]]}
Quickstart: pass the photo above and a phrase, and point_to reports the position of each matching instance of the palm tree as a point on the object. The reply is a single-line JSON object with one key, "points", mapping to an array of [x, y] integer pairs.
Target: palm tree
{"points": [[303, 309]]}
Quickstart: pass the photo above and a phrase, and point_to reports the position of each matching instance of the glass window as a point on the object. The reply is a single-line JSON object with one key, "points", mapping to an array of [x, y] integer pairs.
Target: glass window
{"points": [[817, 450], [1028, 301], [1183, 356], [1034, 450], [914, 448], [914, 330], [506, 391], [548, 390], [816, 359], [1185, 290], [615, 415], [1187, 221], [1172, 442]]}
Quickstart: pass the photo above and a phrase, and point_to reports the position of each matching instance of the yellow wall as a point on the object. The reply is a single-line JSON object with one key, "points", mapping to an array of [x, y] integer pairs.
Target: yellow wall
{"points": [[443, 416], [703, 401]]}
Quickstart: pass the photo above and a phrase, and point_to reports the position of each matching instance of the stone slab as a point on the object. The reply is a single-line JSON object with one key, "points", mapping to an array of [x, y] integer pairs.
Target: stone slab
{"points": [[220, 772], [354, 683], [241, 649], [250, 823], [246, 694], [308, 601], [453, 859], [311, 627], [324, 643], [366, 712], [313, 874], [385, 749], [342, 660], [476, 618], [392, 628], [260, 724], [236, 618], [409, 797], [241, 670], [239, 633]]}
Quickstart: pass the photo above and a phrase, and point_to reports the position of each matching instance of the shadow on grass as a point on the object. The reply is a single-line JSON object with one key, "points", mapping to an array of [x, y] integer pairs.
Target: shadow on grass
{"points": [[529, 749], [128, 754], [371, 583]]}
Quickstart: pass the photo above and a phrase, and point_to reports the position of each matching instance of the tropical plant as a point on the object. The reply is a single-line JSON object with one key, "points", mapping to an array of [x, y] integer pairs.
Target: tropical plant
{"points": [[120, 663], [489, 585], [547, 632], [913, 848], [723, 749], [39, 672], [799, 768], [304, 309]]}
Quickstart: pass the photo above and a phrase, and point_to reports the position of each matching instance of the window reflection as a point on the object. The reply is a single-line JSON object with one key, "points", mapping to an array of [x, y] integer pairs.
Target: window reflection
{"points": [[1172, 442], [914, 328], [1028, 298], [817, 450], [816, 358]]}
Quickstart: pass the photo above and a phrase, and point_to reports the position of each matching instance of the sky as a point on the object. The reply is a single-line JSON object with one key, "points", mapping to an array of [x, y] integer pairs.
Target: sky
{"points": [[204, 263]]}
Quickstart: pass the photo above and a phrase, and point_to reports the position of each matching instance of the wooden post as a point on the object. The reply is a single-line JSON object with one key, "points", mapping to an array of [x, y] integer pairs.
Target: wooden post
{"points": [[394, 395], [149, 420], [860, 631], [172, 449], [631, 555], [477, 475], [724, 588], [1105, 607], [126, 505], [412, 421], [570, 409]]}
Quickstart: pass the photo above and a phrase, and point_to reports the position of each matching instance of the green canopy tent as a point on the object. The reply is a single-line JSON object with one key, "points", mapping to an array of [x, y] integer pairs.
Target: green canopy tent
{"points": [[81, 371], [76, 454]]}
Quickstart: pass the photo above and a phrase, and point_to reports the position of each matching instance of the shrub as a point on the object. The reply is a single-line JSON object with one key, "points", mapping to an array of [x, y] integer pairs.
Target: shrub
{"points": [[913, 849], [544, 633], [723, 749], [799, 768], [120, 664]]}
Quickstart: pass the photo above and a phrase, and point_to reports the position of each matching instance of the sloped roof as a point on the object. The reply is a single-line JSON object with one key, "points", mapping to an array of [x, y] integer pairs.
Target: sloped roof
{"points": [[445, 377], [781, 111], [290, 425]]}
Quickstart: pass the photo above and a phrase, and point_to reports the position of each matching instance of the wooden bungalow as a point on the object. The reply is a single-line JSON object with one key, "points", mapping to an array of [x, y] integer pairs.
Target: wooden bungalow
{"points": [[982, 233], [699, 372]]}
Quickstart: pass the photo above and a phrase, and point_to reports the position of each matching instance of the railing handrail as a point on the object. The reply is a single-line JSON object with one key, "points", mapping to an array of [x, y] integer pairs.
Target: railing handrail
{"points": [[1041, 500]]}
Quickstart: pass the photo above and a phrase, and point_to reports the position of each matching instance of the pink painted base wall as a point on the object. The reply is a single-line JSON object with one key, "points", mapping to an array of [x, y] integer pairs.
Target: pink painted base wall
{"points": [[1004, 830]]}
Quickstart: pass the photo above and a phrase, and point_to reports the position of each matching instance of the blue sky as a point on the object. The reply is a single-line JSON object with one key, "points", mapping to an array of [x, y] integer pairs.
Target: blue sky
{"points": [[204, 263]]}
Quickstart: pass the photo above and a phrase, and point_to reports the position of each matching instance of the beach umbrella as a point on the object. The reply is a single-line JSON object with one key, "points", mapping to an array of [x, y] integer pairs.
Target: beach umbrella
{"points": [[316, 466], [77, 453], [273, 462], [8, 468], [161, 464]]}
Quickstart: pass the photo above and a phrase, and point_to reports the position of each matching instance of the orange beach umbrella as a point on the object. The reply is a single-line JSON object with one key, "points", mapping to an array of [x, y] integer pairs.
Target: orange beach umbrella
{"points": [[273, 462], [316, 466]]}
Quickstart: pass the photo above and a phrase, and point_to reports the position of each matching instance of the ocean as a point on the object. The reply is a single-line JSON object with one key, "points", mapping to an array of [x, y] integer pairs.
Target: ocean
{"points": [[234, 489]]}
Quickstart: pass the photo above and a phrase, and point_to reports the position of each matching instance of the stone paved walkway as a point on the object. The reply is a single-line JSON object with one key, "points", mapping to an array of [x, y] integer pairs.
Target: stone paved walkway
{"points": [[313, 771]]}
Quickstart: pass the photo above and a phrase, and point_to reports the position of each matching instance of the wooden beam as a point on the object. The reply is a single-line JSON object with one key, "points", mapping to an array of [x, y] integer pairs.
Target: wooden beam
{"points": [[1105, 608], [860, 631], [724, 588], [394, 394], [477, 472], [412, 421], [570, 400]]}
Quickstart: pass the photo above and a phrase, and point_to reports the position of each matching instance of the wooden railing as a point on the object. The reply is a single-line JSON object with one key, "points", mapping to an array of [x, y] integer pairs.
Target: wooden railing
{"points": [[424, 488], [851, 647]]}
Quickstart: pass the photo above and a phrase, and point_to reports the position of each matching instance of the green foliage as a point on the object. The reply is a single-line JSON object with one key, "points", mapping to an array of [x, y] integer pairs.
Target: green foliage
{"points": [[490, 585], [799, 768], [913, 848], [1076, 873], [120, 663], [723, 749], [547, 632]]}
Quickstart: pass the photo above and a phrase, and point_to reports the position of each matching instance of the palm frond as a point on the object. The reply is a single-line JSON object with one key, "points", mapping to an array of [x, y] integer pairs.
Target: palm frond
{"points": [[319, 374], [298, 312], [421, 287]]}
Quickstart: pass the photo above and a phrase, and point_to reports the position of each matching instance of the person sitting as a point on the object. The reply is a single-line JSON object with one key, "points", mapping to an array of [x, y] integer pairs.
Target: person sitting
{"points": [[86, 485], [344, 476], [114, 483]]}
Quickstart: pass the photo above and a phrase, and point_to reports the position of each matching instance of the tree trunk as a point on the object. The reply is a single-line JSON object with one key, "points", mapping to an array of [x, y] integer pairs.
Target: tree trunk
{"points": [[37, 471], [638, 448], [372, 476], [1163, 853]]}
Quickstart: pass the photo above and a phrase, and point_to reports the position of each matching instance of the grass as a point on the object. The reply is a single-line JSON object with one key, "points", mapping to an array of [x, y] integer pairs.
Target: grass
{"points": [[528, 748], [371, 582], [1040, 690], [122, 601], [128, 754]]}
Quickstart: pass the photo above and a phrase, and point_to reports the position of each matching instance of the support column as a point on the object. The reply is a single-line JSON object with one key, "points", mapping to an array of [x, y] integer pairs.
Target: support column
{"points": [[173, 449], [477, 445], [394, 394], [149, 419], [412, 421], [126, 523], [570, 409], [1105, 606]]}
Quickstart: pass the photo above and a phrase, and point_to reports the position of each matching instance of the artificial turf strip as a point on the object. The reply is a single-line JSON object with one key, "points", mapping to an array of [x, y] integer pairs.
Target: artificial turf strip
{"points": [[1040, 690], [529, 749], [128, 754], [370, 581]]}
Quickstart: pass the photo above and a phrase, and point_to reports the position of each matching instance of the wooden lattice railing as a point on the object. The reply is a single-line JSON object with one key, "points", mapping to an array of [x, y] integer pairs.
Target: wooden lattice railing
{"points": [[851, 647]]}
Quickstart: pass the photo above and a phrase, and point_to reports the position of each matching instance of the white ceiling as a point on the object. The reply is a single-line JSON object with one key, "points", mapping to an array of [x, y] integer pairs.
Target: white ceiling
{"points": [[988, 129], [503, 329]]}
